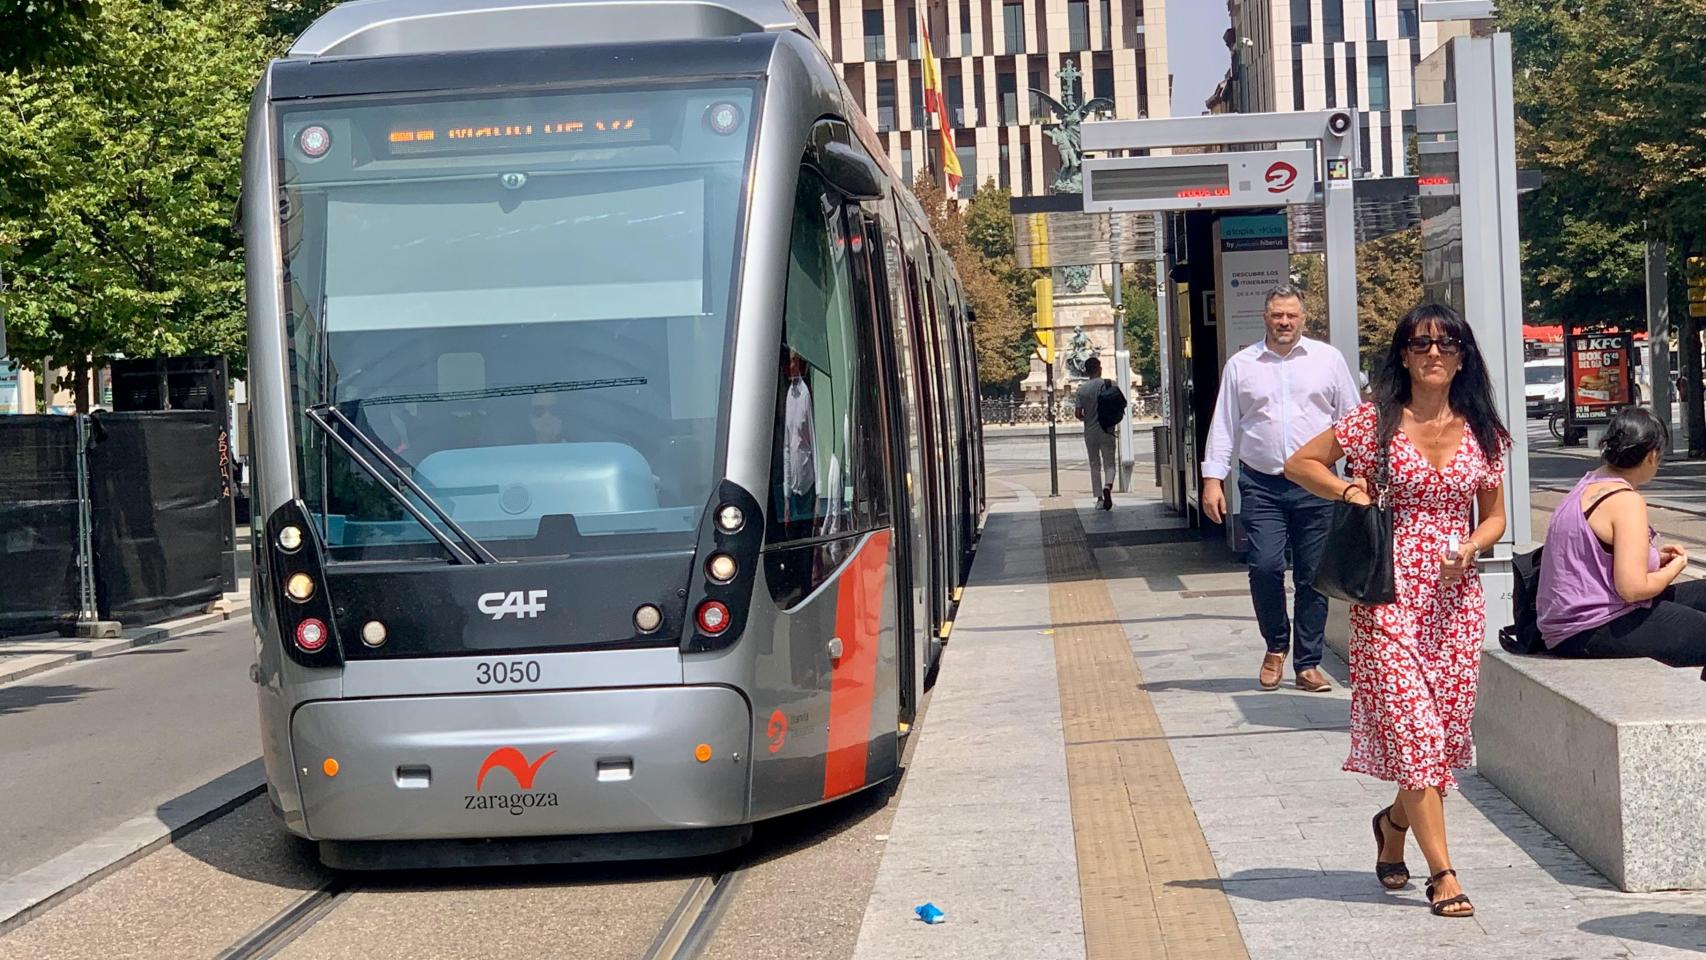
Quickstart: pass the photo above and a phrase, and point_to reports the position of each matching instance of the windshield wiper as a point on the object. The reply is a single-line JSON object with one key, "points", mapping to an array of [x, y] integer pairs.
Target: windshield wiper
{"points": [[486, 393], [475, 552]]}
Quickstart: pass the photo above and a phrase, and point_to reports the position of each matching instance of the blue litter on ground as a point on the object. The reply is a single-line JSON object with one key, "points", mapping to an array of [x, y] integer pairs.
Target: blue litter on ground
{"points": [[929, 913]]}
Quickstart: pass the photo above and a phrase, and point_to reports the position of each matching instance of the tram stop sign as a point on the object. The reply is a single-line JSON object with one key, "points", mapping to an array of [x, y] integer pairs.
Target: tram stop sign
{"points": [[1209, 181]]}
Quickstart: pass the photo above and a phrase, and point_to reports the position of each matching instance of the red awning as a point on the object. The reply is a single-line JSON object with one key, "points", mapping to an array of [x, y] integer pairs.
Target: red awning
{"points": [[1543, 334]]}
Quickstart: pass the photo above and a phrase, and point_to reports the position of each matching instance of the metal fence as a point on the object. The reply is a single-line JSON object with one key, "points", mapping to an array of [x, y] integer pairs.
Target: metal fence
{"points": [[1013, 411], [113, 516]]}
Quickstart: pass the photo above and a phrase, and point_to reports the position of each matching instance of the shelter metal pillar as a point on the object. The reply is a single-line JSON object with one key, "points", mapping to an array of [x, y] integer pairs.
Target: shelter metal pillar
{"points": [[1658, 331], [1339, 211]]}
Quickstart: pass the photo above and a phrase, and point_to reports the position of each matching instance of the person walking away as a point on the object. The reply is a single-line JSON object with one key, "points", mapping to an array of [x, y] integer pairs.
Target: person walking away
{"points": [[1098, 440], [1605, 589], [1274, 395], [1415, 662]]}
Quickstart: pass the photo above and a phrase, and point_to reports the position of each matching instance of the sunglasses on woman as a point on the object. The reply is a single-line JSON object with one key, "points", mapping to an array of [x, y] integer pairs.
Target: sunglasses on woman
{"points": [[1448, 346]]}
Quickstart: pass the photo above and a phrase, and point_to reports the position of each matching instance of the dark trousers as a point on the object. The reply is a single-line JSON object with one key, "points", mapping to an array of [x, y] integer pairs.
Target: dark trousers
{"points": [[1279, 514], [1671, 631]]}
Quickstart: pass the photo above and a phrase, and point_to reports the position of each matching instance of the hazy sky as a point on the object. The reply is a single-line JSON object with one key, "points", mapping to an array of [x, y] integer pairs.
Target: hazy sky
{"points": [[1195, 51]]}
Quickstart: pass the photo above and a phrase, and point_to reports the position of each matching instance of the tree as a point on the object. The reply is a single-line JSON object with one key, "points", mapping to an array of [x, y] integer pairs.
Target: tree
{"points": [[1142, 321], [43, 32], [989, 229], [1389, 283], [119, 186], [1001, 327], [1608, 93], [284, 19]]}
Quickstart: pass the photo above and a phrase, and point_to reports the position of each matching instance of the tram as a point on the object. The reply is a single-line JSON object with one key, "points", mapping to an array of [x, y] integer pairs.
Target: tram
{"points": [[617, 456]]}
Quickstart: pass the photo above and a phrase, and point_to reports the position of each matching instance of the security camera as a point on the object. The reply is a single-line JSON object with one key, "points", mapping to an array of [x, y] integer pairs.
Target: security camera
{"points": [[513, 181], [1339, 123]]}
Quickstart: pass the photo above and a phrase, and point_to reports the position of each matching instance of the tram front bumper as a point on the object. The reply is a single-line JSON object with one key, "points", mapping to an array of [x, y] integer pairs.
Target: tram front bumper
{"points": [[523, 764]]}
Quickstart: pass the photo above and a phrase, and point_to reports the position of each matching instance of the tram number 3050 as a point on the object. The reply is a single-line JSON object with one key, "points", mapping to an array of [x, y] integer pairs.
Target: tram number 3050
{"points": [[506, 671]]}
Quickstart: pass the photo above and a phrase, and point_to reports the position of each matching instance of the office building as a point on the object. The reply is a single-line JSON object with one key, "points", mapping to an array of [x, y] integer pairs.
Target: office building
{"points": [[1319, 54], [992, 53]]}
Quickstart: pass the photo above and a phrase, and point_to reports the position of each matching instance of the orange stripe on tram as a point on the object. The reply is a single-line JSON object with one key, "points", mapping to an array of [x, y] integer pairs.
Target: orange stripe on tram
{"points": [[853, 681]]}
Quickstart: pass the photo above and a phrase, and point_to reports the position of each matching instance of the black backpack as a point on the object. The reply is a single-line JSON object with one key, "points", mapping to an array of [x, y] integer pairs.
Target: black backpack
{"points": [[1110, 406], [1523, 636]]}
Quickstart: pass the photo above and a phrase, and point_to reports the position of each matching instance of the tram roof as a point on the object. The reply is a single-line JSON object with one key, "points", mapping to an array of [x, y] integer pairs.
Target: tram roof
{"points": [[369, 28]]}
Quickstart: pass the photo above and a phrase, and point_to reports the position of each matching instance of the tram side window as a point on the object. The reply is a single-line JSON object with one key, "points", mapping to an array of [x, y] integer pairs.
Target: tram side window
{"points": [[815, 478]]}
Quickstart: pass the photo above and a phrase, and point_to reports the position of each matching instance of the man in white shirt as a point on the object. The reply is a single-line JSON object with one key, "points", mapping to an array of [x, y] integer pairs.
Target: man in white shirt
{"points": [[1275, 396]]}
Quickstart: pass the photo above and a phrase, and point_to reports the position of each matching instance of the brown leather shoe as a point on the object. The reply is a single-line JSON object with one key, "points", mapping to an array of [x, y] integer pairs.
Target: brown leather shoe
{"points": [[1313, 681], [1272, 664]]}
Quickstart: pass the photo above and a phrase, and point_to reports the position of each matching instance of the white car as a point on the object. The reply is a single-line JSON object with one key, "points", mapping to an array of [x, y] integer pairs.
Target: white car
{"points": [[1544, 386]]}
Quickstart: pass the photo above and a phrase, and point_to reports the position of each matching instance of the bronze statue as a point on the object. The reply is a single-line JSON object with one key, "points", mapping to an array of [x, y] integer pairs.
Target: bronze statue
{"points": [[1068, 114]]}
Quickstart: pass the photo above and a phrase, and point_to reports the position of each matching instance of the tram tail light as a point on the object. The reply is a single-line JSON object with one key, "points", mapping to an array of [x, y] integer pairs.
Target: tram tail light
{"points": [[713, 617], [311, 635]]}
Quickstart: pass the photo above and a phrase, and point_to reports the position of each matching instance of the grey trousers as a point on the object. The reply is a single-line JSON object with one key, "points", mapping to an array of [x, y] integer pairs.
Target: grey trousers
{"points": [[1101, 445]]}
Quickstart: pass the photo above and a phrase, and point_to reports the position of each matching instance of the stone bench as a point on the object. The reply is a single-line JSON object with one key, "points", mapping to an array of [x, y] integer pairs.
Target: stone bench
{"points": [[1609, 755]]}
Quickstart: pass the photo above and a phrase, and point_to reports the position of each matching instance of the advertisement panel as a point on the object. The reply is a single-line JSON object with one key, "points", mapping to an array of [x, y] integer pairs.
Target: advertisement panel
{"points": [[10, 401], [1599, 375]]}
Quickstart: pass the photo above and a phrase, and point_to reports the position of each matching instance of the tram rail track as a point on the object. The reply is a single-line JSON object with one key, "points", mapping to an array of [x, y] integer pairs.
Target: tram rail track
{"points": [[683, 935]]}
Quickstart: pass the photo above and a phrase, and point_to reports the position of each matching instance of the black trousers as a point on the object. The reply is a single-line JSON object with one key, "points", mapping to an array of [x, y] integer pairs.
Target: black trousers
{"points": [[1279, 514], [1671, 631]]}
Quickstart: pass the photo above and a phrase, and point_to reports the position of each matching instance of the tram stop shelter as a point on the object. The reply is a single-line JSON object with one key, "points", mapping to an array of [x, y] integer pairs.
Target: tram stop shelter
{"points": [[1222, 222]]}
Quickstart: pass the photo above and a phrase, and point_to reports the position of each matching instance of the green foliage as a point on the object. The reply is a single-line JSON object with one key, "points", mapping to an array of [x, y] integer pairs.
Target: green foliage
{"points": [[284, 19], [119, 184], [43, 32], [1389, 283], [984, 258], [1142, 322], [1609, 96], [989, 229]]}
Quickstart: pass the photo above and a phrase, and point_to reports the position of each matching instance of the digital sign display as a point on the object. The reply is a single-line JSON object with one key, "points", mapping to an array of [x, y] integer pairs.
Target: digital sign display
{"points": [[474, 135], [1156, 183], [1213, 181]]}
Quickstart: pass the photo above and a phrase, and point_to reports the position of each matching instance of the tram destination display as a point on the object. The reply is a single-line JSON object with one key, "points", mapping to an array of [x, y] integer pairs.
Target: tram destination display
{"points": [[471, 134]]}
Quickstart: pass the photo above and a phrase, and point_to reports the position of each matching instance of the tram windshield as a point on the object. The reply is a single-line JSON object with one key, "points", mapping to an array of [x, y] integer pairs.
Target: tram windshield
{"points": [[523, 301]]}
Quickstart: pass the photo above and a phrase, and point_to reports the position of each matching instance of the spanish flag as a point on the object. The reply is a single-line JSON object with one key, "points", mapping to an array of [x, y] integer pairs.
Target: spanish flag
{"points": [[935, 102]]}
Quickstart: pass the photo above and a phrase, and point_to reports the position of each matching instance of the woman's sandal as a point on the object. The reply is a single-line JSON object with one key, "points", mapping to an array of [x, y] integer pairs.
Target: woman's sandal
{"points": [[1439, 908], [1394, 875]]}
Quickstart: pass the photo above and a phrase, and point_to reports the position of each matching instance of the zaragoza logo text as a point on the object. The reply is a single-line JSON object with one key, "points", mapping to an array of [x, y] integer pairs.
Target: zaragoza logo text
{"points": [[513, 760]]}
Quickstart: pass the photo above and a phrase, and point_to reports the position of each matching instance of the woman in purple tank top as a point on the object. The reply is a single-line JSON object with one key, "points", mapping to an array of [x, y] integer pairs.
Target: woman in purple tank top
{"points": [[1605, 589]]}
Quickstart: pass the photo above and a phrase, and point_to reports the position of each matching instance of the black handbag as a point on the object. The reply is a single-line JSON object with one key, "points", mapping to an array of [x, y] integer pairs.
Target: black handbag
{"points": [[1356, 562]]}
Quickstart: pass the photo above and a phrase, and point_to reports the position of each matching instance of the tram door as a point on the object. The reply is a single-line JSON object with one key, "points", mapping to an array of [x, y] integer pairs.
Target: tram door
{"points": [[873, 267], [923, 383]]}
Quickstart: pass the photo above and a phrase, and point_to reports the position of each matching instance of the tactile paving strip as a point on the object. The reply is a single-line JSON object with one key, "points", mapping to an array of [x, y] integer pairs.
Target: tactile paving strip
{"points": [[1148, 883]]}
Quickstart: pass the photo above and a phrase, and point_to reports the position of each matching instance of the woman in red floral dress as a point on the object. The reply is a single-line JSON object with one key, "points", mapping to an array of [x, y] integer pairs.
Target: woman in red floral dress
{"points": [[1415, 663]]}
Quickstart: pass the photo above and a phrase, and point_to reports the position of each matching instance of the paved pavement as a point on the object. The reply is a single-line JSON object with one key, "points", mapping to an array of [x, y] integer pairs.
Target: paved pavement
{"points": [[981, 829], [87, 747]]}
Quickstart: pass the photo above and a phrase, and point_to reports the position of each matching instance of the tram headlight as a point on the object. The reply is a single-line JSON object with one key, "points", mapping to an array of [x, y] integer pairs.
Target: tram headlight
{"points": [[311, 635], [730, 519], [300, 587], [314, 141], [723, 118], [647, 617], [721, 567], [373, 633], [713, 617], [290, 539]]}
